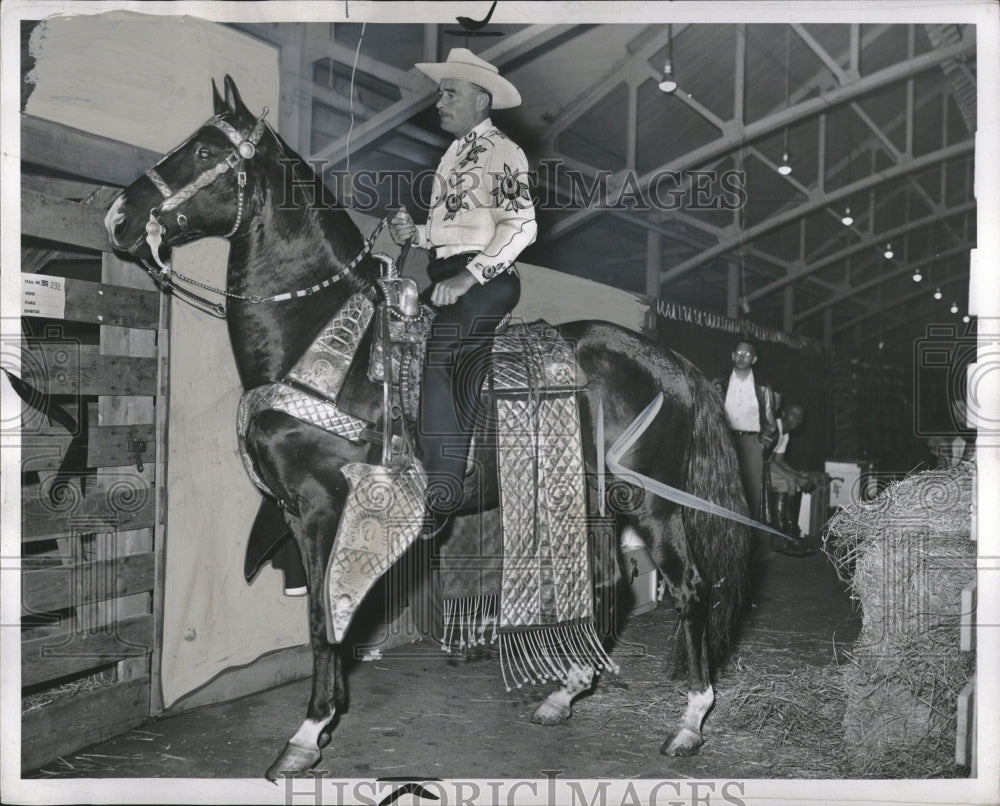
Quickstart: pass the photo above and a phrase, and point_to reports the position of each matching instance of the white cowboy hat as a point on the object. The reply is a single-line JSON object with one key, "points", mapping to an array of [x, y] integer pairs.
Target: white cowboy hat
{"points": [[467, 66]]}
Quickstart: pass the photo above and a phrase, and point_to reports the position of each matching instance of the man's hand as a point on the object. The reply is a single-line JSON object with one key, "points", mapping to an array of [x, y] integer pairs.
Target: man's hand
{"points": [[448, 291], [401, 227]]}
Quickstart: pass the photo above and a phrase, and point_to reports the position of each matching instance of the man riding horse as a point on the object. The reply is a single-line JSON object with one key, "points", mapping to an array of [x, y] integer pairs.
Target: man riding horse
{"points": [[481, 218]]}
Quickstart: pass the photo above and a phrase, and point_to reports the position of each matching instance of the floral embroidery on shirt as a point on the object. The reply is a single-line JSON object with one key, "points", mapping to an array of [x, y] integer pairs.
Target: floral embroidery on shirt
{"points": [[491, 271], [474, 145], [471, 157], [453, 203], [510, 191], [457, 199]]}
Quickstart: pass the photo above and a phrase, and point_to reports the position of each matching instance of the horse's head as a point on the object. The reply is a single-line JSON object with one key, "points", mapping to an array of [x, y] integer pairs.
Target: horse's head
{"points": [[199, 189]]}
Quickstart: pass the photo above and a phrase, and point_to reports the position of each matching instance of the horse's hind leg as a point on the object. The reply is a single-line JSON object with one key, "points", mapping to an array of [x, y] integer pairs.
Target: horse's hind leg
{"points": [[689, 590], [558, 706]]}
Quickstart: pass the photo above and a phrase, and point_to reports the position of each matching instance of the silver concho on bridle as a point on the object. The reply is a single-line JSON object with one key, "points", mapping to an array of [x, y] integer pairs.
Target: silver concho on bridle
{"points": [[244, 148]]}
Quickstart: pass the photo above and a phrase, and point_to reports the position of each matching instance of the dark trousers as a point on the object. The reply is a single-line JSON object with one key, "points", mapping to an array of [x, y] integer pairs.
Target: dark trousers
{"points": [[751, 459], [750, 455], [458, 359]]}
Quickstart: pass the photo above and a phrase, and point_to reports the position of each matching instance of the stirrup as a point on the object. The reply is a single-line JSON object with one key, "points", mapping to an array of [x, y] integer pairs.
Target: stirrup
{"points": [[383, 517]]}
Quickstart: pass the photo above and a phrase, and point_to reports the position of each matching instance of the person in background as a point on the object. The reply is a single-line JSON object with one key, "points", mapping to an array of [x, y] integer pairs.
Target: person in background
{"points": [[786, 481], [750, 410]]}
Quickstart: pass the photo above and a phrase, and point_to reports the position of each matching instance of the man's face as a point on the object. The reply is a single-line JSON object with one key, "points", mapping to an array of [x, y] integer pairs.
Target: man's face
{"points": [[744, 356], [793, 418], [461, 105]]}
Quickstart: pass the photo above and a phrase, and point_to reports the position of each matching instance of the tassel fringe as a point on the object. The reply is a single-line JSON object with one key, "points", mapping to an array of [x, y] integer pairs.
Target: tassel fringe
{"points": [[469, 622], [547, 654]]}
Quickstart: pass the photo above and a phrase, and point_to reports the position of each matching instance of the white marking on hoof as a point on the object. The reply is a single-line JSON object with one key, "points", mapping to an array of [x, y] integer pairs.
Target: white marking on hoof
{"points": [[699, 704], [309, 732], [688, 738]]}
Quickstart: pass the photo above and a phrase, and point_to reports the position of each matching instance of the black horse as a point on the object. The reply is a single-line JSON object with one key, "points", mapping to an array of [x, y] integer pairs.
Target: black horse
{"points": [[232, 179]]}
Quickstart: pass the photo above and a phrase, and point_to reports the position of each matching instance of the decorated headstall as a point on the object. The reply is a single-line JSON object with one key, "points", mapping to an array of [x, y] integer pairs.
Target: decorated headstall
{"points": [[244, 148]]}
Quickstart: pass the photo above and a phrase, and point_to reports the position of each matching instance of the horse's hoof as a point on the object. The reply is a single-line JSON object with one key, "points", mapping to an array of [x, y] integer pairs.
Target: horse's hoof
{"points": [[685, 743], [551, 713], [294, 758]]}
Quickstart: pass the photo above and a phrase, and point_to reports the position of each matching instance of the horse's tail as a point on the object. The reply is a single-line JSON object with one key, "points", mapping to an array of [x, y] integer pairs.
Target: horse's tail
{"points": [[721, 547]]}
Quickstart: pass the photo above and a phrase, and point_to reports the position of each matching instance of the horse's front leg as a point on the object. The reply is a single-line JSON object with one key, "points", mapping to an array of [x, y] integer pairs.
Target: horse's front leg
{"points": [[304, 750]]}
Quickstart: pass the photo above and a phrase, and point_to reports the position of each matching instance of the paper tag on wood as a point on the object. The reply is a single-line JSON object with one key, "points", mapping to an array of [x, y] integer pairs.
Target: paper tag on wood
{"points": [[43, 295]]}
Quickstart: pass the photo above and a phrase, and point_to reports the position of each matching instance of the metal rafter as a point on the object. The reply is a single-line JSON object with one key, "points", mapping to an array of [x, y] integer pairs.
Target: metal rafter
{"points": [[886, 306], [650, 41], [832, 64], [778, 120], [852, 291], [870, 242], [902, 117], [513, 46], [815, 204]]}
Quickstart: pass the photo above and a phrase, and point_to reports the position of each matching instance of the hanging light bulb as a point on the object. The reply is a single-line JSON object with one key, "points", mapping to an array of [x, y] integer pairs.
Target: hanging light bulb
{"points": [[847, 220], [954, 307], [784, 169], [881, 344], [937, 293], [966, 318], [917, 276], [888, 251], [668, 84]]}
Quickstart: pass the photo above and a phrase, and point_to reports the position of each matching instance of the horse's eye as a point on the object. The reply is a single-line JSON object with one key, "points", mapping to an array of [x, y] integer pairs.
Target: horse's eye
{"points": [[204, 154]]}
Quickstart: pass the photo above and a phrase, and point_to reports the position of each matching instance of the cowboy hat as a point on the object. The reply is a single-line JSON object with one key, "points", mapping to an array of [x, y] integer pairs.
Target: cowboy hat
{"points": [[465, 65]]}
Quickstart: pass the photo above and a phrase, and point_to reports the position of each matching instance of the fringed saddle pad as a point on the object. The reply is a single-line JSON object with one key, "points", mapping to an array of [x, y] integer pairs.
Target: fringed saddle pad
{"points": [[545, 613]]}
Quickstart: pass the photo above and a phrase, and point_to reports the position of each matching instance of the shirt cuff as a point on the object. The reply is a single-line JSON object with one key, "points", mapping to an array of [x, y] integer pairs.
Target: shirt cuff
{"points": [[422, 236], [483, 270]]}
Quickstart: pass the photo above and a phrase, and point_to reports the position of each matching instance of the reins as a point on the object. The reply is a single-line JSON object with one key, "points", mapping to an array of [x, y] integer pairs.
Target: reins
{"points": [[244, 148], [167, 277]]}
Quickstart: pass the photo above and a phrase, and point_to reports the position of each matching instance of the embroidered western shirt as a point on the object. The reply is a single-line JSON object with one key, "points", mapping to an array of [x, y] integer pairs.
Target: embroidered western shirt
{"points": [[742, 407], [481, 202]]}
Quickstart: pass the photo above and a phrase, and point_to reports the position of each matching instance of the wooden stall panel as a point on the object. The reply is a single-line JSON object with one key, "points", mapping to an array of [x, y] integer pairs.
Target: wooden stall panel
{"points": [[91, 558], [64, 727]]}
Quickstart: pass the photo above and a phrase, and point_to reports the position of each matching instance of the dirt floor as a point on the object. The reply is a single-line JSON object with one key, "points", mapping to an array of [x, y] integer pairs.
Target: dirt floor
{"points": [[419, 712]]}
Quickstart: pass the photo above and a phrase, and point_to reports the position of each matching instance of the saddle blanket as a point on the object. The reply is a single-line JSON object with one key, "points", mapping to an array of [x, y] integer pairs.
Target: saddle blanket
{"points": [[543, 614]]}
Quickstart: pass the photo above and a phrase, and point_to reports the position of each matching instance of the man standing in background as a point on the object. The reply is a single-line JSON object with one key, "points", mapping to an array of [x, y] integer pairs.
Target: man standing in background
{"points": [[750, 411]]}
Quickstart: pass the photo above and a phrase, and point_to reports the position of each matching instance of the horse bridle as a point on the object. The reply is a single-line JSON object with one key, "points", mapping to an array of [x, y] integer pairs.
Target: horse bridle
{"points": [[244, 148]]}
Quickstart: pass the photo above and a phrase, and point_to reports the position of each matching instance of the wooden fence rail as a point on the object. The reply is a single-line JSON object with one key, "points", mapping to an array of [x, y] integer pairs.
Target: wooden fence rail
{"points": [[91, 554]]}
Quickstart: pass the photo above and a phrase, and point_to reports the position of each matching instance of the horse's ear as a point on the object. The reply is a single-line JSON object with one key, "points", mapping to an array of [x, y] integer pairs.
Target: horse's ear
{"points": [[233, 100], [218, 104]]}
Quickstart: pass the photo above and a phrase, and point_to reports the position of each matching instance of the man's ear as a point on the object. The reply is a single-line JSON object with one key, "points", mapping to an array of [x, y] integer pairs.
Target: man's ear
{"points": [[754, 361]]}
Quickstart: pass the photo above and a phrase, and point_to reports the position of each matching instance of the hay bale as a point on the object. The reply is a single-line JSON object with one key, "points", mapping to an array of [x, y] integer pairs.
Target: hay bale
{"points": [[906, 556]]}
